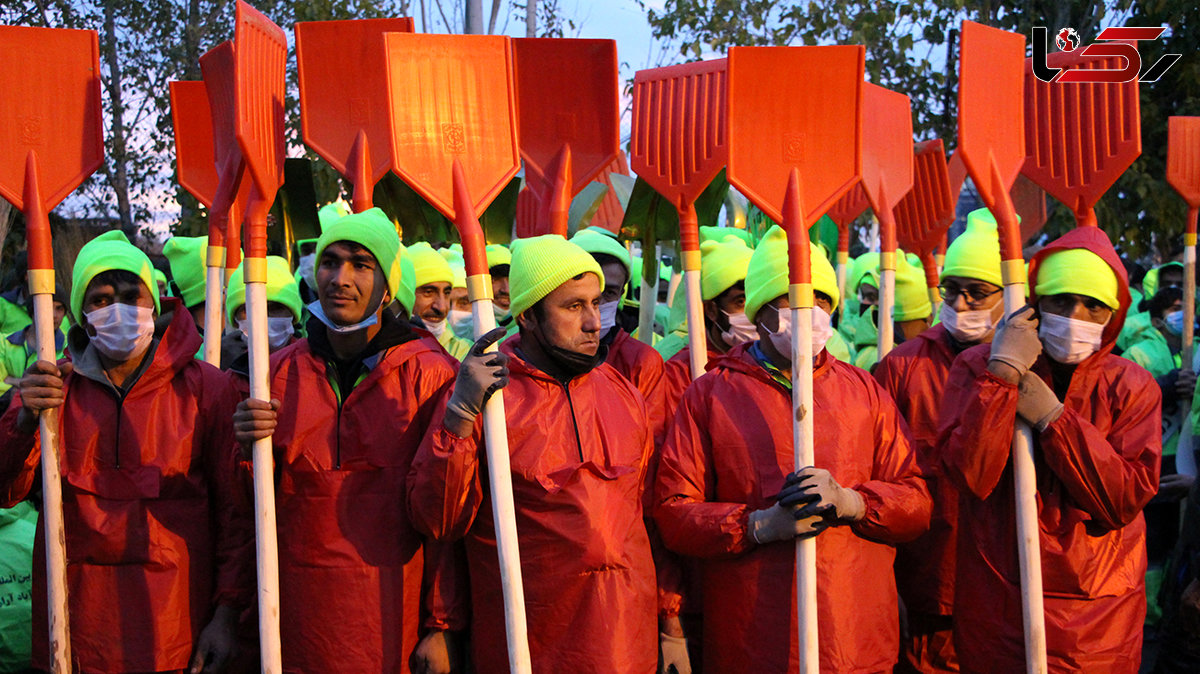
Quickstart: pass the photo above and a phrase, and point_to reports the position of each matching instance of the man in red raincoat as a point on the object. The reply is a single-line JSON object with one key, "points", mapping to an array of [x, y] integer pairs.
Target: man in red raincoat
{"points": [[361, 590], [727, 493], [1097, 445], [914, 374], [579, 441], [159, 537]]}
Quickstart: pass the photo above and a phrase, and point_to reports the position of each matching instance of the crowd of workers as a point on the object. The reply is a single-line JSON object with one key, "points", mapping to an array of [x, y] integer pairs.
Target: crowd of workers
{"points": [[656, 515]]}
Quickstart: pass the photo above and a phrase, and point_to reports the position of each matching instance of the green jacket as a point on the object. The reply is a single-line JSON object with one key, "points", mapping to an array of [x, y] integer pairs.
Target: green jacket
{"points": [[15, 356], [17, 528]]}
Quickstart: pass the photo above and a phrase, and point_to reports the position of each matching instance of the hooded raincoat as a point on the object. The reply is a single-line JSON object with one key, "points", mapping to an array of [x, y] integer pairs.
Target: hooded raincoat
{"points": [[1097, 467], [727, 453], [579, 454], [639, 363], [159, 529], [359, 584], [914, 374]]}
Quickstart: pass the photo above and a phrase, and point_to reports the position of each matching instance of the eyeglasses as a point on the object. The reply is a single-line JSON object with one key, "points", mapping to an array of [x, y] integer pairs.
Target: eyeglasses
{"points": [[975, 295]]}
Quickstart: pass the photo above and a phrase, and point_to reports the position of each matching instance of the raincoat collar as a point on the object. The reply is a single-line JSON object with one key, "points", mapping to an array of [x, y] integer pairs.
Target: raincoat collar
{"points": [[517, 363]]}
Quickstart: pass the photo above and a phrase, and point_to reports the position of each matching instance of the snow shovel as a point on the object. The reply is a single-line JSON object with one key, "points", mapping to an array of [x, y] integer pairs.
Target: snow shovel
{"points": [[454, 140], [958, 175], [260, 56], [887, 175], [197, 173], [925, 213], [991, 144], [678, 146], [794, 156], [1080, 137], [845, 211], [566, 139], [51, 139], [342, 83], [1183, 173]]}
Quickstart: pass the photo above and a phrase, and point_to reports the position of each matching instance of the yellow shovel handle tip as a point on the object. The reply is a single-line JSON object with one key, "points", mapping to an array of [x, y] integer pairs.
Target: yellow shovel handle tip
{"points": [[479, 287]]}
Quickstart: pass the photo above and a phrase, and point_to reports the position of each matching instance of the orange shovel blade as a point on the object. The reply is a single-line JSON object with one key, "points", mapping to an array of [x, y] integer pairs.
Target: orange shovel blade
{"points": [[50, 107], [567, 93], [260, 57], [1183, 158], [849, 206], [924, 214], [887, 157], [795, 108], [990, 107], [451, 99], [343, 89], [194, 153]]}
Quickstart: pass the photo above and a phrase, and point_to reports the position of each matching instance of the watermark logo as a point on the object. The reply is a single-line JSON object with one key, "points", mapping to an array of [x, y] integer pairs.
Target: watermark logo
{"points": [[1119, 41]]}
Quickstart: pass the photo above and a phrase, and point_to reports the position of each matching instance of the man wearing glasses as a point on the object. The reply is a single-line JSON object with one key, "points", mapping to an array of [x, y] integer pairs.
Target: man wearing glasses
{"points": [[915, 374]]}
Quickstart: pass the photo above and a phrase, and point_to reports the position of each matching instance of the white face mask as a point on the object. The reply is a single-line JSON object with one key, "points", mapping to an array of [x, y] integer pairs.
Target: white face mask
{"points": [[436, 328], [319, 313], [1067, 340], [462, 323], [608, 316], [123, 331], [308, 270], [279, 330], [822, 330], [501, 314], [740, 331], [971, 326]]}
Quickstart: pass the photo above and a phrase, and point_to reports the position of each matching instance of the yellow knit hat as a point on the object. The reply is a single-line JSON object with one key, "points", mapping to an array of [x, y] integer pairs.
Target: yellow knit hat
{"points": [[912, 294], [542, 263], [429, 266], [281, 287], [1078, 271], [722, 264], [497, 254], [976, 252], [767, 275]]}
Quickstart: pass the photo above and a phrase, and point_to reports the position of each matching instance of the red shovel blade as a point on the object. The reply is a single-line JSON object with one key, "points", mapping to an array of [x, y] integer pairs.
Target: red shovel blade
{"points": [[50, 108], [343, 88], [192, 120], [920, 214], [451, 101], [260, 57], [956, 170], [795, 108], [1080, 137], [991, 121], [217, 67], [587, 118], [849, 206], [1183, 158], [678, 143], [887, 158], [1030, 202]]}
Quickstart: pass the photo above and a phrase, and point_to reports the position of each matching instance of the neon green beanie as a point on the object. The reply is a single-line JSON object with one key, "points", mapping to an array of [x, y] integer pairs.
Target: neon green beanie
{"points": [[460, 274], [597, 240], [542, 263], [712, 233], [912, 294], [408, 274], [187, 257], [497, 254], [1078, 271], [976, 252], [372, 230], [866, 266], [281, 287], [767, 275], [428, 265], [110, 250], [1151, 282], [722, 264], [160, 277], [331, 213]]}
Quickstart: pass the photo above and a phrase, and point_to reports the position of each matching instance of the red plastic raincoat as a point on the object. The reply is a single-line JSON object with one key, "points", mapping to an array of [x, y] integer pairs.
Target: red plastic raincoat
{"points": [[158, 528], [727, 454], [914, 374], [639, 363], [351, 566], [579, 455], [1097, 466]]}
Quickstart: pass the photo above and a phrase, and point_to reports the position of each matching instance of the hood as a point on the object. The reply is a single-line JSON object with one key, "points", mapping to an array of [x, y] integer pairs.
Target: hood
{"points": [[1096, 241]]}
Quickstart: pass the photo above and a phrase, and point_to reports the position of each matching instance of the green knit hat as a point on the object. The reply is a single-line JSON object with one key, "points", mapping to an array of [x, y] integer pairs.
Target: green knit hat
{"points": [[110, 250], [460, 274], [976, 252], [714, 233], [597, 240], [372, 230], [912, 294], [865, 266], [186, 255], [542, 263], [281, 287], [722, 264], [497, 254], [160, 277], [331, 213], [1078, 271], [767, 275], [428, 265], [408, 282]]}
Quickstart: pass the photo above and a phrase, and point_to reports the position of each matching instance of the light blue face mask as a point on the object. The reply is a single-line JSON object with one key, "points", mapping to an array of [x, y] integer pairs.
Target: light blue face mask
{"points": [[315, 309], [1174, 322]]}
